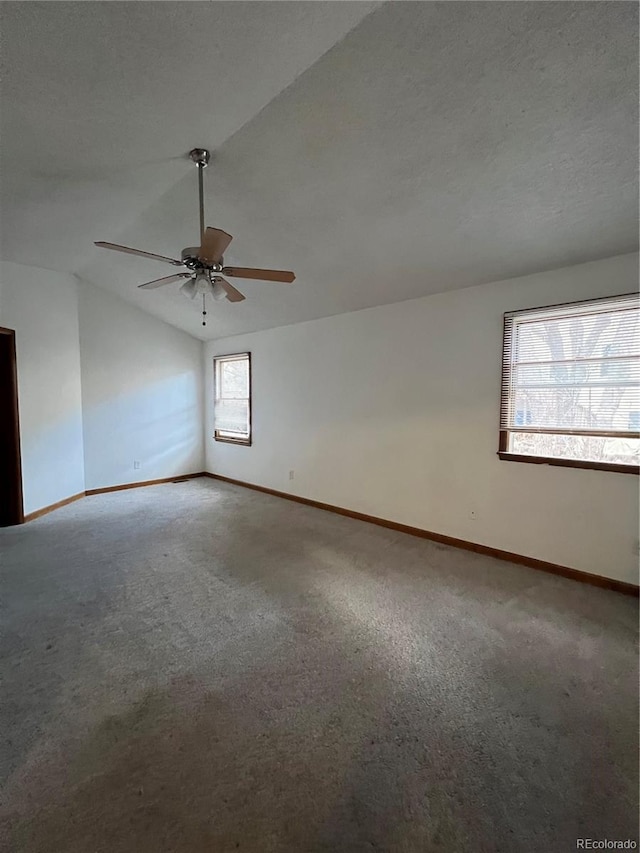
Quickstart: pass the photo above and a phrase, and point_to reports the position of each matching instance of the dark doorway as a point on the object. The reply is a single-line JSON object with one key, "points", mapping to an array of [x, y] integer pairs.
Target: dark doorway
{"points": [[10, 468]]}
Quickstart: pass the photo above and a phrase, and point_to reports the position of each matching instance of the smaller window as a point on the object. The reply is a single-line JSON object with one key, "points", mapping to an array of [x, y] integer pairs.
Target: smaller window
{"points": [[232, 398]]}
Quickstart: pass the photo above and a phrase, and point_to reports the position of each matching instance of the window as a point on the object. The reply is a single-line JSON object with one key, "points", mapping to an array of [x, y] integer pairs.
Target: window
{"points": [[232, 398], [571, 385]]}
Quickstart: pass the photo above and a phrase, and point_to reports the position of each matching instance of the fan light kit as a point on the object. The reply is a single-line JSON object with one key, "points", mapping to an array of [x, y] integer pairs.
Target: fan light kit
{"points": [[205, 263]]}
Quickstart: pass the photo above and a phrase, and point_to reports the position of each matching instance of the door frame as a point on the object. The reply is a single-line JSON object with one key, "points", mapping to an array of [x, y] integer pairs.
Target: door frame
{"points": [[14, 415]]}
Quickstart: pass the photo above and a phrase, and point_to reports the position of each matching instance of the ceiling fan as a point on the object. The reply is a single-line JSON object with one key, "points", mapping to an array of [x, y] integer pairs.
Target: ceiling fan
{"points": [[205, 262]]}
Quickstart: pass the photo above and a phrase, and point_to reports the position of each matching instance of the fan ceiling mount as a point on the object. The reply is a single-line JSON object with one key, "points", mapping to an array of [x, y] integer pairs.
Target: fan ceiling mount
{"points": [[204, 264]]}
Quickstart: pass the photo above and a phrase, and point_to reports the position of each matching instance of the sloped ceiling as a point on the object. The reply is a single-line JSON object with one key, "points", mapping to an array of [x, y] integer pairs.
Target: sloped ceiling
{"points": [[383, 152]]}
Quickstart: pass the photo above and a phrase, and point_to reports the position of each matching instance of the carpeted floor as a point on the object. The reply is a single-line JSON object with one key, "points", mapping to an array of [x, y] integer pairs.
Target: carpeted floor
{"points": [[197, 667]]}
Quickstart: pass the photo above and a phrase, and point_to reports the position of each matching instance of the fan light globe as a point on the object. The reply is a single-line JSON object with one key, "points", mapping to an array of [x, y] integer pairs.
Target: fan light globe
{"points": [[189, 288], [203, 283], [218, 291]]}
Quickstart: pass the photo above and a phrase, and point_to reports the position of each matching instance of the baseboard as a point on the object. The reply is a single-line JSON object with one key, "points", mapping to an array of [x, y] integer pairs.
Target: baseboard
{"points": [[507, 556], [142, 483], [47, 509]]}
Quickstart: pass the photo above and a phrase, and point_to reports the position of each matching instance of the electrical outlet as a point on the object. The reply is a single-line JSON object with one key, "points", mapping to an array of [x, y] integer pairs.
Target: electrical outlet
{"points": [[136, 464], [472, 515], [291, 475]]}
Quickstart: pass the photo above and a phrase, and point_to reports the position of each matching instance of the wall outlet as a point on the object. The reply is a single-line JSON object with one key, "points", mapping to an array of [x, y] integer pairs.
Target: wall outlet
{"points": [[291, 475], [136, 465], [472, 515]]}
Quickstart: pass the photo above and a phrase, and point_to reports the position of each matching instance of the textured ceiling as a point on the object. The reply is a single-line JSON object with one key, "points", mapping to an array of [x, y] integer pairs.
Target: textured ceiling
{"points": [[381, 152]]}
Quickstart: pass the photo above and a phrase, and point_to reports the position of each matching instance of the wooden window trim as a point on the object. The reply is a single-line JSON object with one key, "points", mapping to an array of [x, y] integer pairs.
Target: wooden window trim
{"points": [[245, 442], [242, 442], [506, 456], [569, 463]]}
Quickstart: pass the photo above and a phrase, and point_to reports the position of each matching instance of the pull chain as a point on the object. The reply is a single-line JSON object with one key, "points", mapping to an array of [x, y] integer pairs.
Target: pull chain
{"points": [[204, 313]]}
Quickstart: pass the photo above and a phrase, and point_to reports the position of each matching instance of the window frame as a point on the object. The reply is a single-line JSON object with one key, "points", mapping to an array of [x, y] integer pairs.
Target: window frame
{"points": [[242, 442], [503, 443]]}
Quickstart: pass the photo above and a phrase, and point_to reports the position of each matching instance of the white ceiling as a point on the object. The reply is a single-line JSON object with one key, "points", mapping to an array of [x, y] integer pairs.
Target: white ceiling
{"points": [[383, 152]]}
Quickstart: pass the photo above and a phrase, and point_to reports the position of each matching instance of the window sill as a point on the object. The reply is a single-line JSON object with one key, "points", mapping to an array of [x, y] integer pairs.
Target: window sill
{"points": [[245, 442], [569, 463]]}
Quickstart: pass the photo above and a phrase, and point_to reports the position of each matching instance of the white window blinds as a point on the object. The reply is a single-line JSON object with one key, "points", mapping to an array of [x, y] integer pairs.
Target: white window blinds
{"points": [[571, 382], [232, 410]]}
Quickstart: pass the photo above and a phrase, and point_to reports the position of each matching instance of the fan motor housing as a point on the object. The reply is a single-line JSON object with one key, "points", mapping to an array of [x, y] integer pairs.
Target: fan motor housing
{"points": [[191, 260], [190, 257]]}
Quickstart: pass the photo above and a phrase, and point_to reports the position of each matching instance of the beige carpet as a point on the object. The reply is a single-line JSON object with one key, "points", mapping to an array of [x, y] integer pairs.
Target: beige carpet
{"points": [[198, 667]]}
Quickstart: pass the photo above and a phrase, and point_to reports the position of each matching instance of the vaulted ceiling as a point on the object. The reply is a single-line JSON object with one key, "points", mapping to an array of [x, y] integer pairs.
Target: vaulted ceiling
{"points": [[382, 151]]}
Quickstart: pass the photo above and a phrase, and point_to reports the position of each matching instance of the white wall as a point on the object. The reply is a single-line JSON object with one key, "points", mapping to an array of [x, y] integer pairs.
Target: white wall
{"points": [[393, 411], [141, 393], [42, 307], [100, 384]]}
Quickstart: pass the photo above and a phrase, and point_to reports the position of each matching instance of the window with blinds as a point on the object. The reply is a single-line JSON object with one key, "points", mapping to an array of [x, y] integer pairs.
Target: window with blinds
{"points": [[232, 398], [571, 385]]}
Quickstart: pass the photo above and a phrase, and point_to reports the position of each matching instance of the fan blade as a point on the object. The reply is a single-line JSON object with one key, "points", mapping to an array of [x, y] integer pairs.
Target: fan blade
{"points": [[233, 295], [262, 275], [142, 254], [160, 282], [214, 243]]}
